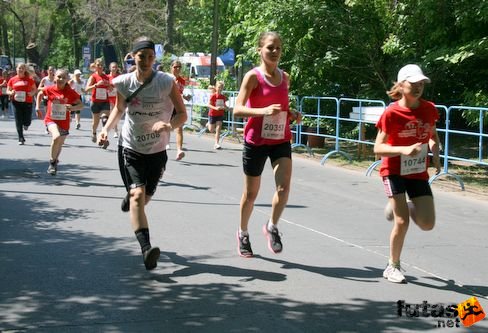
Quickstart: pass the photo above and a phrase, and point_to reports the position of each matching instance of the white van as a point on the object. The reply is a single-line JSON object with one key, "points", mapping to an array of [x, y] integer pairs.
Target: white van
{"points": [[199, 64]]}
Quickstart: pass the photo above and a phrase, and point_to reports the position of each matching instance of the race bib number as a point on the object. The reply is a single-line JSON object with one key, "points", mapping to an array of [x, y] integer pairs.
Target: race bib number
{"points": [[414, 164], [58, 111], [101, 93], [274, 126], [144, 135], [4, 91], [219, 103], [20, 96]]}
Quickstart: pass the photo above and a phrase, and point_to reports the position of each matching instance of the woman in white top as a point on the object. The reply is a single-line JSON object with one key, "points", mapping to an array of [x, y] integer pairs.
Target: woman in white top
{"points": [[78, 85]]}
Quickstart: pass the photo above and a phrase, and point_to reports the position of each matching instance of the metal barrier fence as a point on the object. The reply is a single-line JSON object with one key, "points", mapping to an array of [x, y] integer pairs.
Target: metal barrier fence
{"points": [[346, 119]]}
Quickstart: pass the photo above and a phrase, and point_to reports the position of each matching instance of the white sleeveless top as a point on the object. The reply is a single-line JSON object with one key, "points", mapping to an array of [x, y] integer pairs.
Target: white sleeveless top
{"points": [[152, 104]]}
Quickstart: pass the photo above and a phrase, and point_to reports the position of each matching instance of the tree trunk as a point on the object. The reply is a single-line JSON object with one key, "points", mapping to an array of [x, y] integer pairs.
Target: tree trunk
{"points": [[33, 54], [3, 28], [170, 23], [74, 34]]}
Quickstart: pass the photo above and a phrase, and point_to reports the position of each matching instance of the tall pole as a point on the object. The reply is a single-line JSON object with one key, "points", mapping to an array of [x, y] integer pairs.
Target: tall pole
{"points": [[215, 42], [13, 40]]}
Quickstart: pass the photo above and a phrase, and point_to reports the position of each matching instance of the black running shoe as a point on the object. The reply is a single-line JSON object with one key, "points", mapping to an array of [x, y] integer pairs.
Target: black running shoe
{"points": [[151, 257], [244, 246], [104, 144], [125, 205], [274, 239]]}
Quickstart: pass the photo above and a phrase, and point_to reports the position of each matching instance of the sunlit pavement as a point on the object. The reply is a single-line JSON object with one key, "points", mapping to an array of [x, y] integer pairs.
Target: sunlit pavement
{"points": [[69, 261]]}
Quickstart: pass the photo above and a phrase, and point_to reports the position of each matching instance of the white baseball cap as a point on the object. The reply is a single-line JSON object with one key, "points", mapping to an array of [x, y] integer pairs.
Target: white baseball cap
{"points": [[411, 73], [77, 71]]}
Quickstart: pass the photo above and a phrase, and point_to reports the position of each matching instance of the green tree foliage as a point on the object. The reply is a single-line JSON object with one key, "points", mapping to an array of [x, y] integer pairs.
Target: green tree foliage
{"points": [[350, 48]]}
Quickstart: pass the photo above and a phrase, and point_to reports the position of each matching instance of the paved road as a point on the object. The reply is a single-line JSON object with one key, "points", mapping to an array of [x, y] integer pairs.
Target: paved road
{"points": [[69, 261]]}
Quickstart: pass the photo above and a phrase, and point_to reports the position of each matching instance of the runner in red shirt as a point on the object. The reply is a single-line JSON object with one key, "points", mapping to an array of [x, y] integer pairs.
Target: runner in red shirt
{"points": [[406, 133], [61, 100], [180, 83], [112, 94], [21, 88], [216, 112], [3, 94], [99, 84]]}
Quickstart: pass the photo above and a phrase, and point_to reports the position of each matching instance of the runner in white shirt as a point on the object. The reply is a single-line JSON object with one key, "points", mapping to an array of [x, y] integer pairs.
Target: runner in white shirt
{"points": [[144, 136], [78, 84]]}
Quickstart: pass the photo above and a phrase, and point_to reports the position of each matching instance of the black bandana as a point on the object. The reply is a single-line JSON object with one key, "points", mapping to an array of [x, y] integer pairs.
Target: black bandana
{"points": [[145, 44]]}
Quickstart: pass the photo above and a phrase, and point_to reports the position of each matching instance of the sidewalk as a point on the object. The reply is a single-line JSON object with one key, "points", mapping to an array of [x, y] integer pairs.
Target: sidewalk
{"points": [[69, 261]]}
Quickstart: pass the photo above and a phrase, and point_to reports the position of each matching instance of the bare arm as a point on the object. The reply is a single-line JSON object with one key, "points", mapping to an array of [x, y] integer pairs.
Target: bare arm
{"points": [[39, 97], [76, 106], [89, 84], [41, 84], [382, 148]]}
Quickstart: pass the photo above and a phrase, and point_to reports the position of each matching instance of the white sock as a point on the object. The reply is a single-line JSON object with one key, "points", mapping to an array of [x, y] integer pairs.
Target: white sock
{"points": [[270, 226], [243, 233]]}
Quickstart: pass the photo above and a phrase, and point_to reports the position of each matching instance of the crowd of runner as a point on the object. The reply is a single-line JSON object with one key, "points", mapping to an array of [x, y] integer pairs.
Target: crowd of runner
{"points": [[152, 103]]}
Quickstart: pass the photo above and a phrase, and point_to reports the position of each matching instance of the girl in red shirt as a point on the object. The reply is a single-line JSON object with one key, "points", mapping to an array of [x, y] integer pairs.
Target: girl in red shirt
{"points": [[21, 88], [180, 83], [216, 112], [3, 94], [406, 133], [112, 94], [99, 84], [61, 100]]}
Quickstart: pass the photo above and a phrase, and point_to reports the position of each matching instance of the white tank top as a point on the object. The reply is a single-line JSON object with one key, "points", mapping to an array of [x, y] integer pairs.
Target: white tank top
{"points": [[152, 104]]}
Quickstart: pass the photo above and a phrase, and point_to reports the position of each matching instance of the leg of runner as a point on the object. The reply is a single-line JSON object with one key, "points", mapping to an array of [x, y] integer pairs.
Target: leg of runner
{"points": [[282, 171], [179, 143], [55, 150]]}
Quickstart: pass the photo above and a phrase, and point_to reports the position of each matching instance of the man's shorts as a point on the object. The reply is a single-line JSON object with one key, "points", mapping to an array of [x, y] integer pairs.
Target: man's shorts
{"points": [[254, 157], [97, 107], [62, 131], [139, 169], [395, 184], [212, 120]]}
